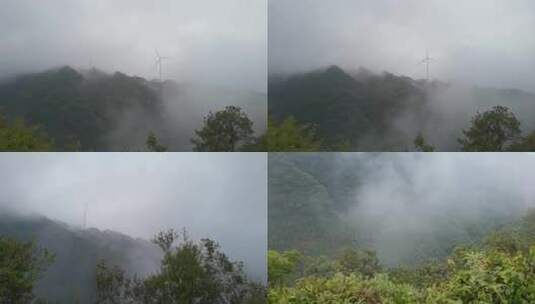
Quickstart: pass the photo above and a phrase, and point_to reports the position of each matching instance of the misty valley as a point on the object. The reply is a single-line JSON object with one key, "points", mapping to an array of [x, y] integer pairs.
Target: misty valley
{"points": [[401, 228], [44, 261], [337, 110], [67, 109]]}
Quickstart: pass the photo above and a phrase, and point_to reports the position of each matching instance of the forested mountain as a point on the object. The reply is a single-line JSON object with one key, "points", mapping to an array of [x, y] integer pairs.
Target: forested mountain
{"points": [[383, 112], [399, 228], [497, 269], [308, 196], [96, 111], [73, 265], [318, 204], [71, 278]]}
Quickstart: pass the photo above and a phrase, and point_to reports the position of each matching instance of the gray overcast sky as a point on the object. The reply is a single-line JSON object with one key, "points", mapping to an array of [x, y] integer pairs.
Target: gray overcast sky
{"points": [[219, 42], [484, 42], [217, 195]]}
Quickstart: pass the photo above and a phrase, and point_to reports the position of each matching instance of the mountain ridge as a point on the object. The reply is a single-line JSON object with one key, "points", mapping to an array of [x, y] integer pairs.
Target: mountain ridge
{"points": [[71, 277], [100, 111], [383, 111]]}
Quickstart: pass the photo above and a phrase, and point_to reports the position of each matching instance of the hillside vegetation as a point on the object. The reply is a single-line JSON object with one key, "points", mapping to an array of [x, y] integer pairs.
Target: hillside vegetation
{"points": [[500, 269], [91, 110], [366, 228], [384, 112], [50, 262]]}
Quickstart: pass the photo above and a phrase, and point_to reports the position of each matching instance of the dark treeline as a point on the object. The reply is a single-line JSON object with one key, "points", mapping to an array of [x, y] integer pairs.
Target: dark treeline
{"points": [[334, 110], [89, 110], [46, 262], [400, 228]]}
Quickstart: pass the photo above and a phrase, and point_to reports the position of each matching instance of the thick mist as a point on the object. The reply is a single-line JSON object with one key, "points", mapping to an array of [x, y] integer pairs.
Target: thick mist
{"points": [[208, 41], [481, 42], [218, 195], [187, 105], [406, 202]]}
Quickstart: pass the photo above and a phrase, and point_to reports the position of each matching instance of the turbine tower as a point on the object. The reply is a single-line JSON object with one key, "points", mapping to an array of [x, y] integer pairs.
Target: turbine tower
{"points": [[159, 60], [427, 60]]}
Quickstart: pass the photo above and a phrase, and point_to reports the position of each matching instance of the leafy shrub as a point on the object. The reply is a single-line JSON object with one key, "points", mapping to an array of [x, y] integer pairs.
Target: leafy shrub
{"points": [[342, 288]]}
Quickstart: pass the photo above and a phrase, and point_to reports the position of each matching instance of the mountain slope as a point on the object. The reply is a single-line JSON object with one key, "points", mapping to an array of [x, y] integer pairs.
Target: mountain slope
{"points": [[301, 212], [378, 112], [116, 112], [320, 203], [71, 277], [71, 106]]}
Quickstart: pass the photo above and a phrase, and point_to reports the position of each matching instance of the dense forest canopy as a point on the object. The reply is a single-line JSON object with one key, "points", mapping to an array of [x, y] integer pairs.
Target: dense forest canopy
{"points": [[407, 207], [72, 275], [91, 110], [92, 266], [400, 228], [386, 112]]}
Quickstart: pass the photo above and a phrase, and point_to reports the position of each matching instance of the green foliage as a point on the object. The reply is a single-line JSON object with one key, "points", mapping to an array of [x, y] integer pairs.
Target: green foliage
{"points": [[470, 276], [75, 108], [342, 288], [301, 211], [365, 109], [420, 276], [421, 144], [518, 237], [281, 265], [360, 111], [363, 262], [21, 265], [153, 145], [488, 277], [19, 137], [491, 131], [71, 278], [190, 273], [111, 284], [223, 131], [289, 136], [501, 271]]}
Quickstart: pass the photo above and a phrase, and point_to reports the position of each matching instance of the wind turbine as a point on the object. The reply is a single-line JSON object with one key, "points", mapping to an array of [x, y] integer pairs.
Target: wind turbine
{"points": [[159, 60], [427, 60]]}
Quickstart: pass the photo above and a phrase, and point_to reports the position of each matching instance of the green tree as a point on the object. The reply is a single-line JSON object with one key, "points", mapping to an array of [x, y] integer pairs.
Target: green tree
{"points": [[281, 265], [342, 288], [21, 265], [421, 144], [112, 286], [491, 131], [190, 273], [363, 262], [289, 136], [488, 277], [224, 131], [18, 137], [153, 145]]}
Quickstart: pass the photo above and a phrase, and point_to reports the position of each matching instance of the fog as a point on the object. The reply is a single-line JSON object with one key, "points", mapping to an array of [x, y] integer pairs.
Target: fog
{"points": [[480, 42], [210, 42], [222, 196], [407, 201]]}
